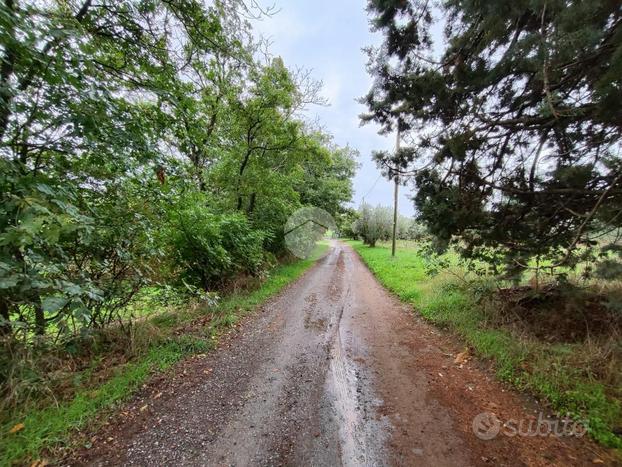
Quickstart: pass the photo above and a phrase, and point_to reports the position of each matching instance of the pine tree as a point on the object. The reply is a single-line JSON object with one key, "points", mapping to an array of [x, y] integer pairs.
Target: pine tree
{"points": [[515, 126]]}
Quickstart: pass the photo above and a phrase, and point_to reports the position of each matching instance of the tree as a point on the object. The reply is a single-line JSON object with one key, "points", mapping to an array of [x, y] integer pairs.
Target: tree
{"points": [[374, 223], [271, 162], [144, 142], [76, 124], [515, 128], [328, 173], [346, 223]]}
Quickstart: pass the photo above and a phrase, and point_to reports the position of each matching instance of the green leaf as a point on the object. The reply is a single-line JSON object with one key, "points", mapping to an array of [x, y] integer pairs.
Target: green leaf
{"points": [[46, 189], [8, 282], [53, 303]]}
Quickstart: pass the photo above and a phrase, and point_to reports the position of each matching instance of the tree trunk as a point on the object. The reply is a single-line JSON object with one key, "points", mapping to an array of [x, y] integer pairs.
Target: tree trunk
{"points": [[5, 323], [39, 319], [251, 204]]}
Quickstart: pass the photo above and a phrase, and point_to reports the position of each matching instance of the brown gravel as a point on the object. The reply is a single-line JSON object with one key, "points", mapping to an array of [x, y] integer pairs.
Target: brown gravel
{"points": [[333, 371]]}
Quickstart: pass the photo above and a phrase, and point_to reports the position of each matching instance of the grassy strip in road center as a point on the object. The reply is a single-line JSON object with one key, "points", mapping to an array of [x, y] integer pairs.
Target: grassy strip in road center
{"points": [[52, 427]]}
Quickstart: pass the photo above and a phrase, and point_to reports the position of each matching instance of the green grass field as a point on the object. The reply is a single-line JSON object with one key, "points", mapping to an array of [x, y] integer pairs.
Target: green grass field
{"points": [[559, 372], [52, 426]]}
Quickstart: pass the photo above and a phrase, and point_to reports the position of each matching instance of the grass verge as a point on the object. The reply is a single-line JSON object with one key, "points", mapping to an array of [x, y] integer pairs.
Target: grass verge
{"points": [[560, 373], [51, 427]]}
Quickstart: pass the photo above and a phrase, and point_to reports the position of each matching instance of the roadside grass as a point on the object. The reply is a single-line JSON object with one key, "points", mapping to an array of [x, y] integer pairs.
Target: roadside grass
{"points": [[51, 427], [560, 373]]}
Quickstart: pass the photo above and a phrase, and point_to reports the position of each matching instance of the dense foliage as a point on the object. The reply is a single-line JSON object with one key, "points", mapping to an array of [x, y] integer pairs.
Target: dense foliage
{"points": [[145, 142], [515, 124]]}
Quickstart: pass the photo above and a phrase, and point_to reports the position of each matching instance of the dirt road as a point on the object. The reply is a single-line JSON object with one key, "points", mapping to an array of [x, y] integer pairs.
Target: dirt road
{"points": [[333, 371]]}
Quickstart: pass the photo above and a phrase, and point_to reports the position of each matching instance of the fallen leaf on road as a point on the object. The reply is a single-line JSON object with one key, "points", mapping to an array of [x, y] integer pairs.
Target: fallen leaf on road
{"points": [[39, 463], [462, 357], [144, 407]]}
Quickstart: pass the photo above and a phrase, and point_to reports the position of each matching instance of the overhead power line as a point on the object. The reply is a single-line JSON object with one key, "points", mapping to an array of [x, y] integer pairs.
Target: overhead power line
{"points": [[372, 188]]}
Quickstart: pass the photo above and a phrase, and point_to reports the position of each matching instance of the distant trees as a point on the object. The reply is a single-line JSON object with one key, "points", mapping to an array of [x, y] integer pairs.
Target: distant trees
{"points": [[516, 126], [346, 222], [376, 223]]}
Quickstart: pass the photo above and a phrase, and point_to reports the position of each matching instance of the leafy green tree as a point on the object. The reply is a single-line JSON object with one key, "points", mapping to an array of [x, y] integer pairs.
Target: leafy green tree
{"points": [[70, 133], [346, 221], [515, 124], [91, 102], [328, 173], [374, 223], [271, 163], [144, 142]]}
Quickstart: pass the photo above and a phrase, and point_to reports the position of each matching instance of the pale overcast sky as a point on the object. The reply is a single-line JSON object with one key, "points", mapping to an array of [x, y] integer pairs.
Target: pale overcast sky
{"points": [[327, 36]]}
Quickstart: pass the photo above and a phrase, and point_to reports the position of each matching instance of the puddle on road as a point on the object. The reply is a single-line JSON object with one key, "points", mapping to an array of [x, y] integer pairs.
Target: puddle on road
{"points": [[362, 436]]}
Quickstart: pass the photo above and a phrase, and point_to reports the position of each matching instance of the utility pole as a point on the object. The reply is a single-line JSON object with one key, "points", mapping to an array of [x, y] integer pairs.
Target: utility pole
{"points": [[397, 182]]}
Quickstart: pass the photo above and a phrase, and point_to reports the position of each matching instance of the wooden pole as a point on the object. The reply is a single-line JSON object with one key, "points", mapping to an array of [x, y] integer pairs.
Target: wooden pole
{"points": [[397, 182]]}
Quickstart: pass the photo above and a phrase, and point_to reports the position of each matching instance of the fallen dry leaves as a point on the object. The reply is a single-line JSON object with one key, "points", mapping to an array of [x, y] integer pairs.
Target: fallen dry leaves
{"points": [[16, 428], [462, 357]]}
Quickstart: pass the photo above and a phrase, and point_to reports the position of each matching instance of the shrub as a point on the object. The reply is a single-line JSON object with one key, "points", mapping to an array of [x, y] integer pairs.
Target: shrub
{"points": [[208, 248], [243, 243]]}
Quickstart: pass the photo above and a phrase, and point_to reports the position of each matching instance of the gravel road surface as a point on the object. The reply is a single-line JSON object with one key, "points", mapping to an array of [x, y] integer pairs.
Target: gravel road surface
{"points": [[333, 371]]}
